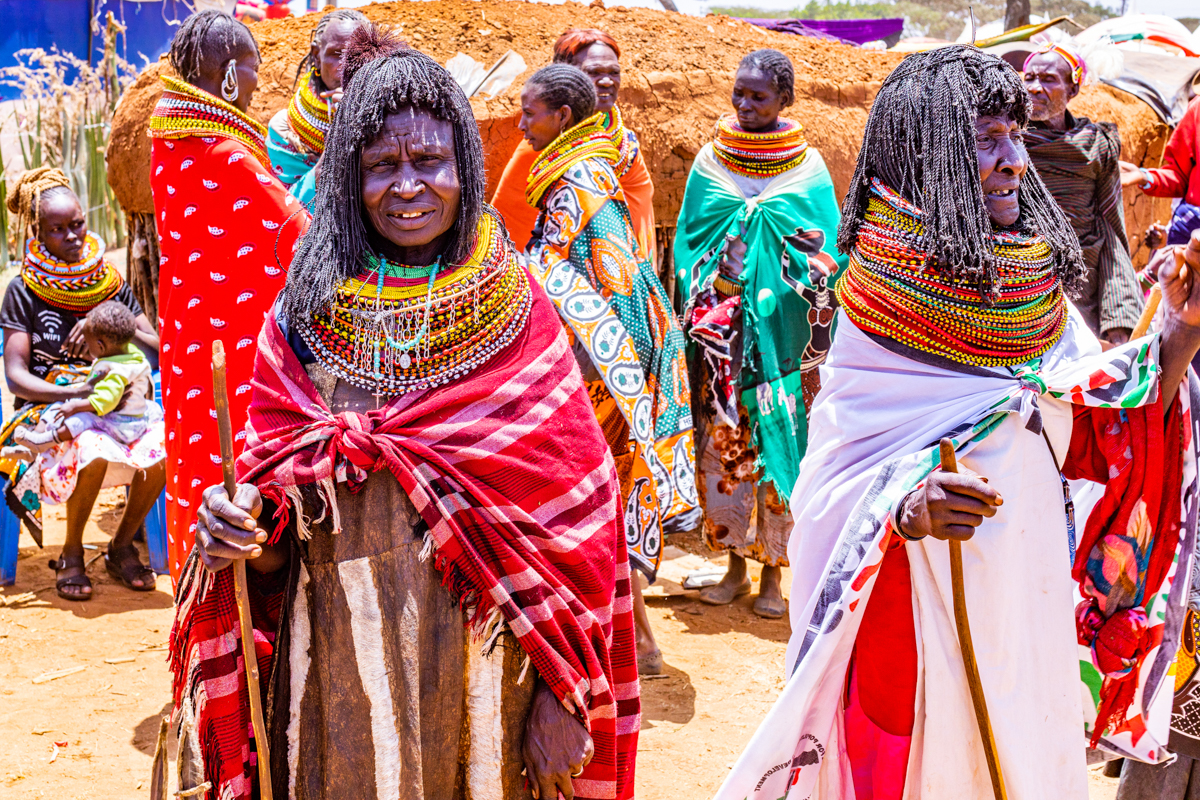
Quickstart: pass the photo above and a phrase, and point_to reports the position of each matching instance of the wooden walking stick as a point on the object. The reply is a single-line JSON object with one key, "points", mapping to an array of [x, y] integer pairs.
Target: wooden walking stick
{"points": [[225, 434], [1143, 323], [950, 464]]}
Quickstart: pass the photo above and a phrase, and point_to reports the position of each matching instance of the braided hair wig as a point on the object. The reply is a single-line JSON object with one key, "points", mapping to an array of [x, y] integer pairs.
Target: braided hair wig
{"points": [[777, 67], [318, 36], [205, 41], [561, 85], [382, 76], [575, 40], [27, 192], [920, 141]]}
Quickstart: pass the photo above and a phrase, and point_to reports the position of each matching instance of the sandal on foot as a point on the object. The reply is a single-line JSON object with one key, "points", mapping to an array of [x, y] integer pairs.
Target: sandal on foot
{"points": [[80, 579], [125, 567], [770, 608], [650, 663], [711, 594]]}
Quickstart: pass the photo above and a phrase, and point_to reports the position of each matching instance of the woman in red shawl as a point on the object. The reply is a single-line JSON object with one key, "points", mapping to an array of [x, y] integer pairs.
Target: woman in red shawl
{"points": [[444, 594], [596, 53], [227, 230]]}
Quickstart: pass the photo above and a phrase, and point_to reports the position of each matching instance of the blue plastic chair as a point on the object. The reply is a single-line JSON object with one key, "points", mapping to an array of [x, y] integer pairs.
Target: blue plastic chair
{"points": [[156, 527]]}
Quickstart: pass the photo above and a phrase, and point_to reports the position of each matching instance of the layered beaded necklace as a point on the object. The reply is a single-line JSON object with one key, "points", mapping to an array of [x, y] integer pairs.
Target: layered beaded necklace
{"points": [[394, 329], [891, 290], [76, 287], [183, 110], [585, 140], [623, 139], [759, 155], [308, 115]]}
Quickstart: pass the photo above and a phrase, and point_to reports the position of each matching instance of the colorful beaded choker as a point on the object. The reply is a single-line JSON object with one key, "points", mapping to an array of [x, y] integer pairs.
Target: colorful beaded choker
{"points": [[589, 138], [183, 110], [759, 155], [622, 139], [394, 329], [308, 115], [77, 287], [890, 291]]}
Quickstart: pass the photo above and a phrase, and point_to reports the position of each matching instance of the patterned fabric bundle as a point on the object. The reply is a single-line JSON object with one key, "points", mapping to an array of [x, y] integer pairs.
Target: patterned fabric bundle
{"points": [[584, 252], [586, 139], [391, 333], [309, 116], [77, 287], [891, 291], [759, 155], [516, 484], [183, 110]]}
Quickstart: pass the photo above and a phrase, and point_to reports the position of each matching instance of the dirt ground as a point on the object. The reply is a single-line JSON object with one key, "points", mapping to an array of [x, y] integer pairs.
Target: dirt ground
{"points": [[722, 674]]}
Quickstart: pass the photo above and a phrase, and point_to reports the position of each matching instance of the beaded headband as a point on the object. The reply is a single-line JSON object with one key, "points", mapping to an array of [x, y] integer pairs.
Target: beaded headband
{"points": [[1074, 60]]}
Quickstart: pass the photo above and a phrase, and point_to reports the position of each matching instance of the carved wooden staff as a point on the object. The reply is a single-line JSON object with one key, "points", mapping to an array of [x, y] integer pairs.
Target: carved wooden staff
{"points": [[950, 464], [249, 657]]}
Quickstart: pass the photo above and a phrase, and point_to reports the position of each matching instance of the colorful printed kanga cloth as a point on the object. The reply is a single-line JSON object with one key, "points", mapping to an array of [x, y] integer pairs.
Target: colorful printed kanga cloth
{"points": [[585, 253], [785, 305], [1052, 599], [296, 140], [509, 471], [227, 232]]}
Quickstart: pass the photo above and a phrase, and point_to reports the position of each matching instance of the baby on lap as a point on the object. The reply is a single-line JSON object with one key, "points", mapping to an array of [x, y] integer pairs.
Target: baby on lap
{"points": [[120, 379]]}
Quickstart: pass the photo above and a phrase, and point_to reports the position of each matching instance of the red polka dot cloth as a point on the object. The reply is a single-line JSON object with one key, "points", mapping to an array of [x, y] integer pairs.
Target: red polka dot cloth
{"points": [[227, 231]]}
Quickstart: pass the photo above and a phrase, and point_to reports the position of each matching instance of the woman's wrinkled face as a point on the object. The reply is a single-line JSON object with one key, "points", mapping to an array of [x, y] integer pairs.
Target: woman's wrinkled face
{"points": [[410, 182], [599, 62], [1000, 148], [756, 100], [328, 52], [62, 228], [1048, 80], [247, 77], [540, 123]]}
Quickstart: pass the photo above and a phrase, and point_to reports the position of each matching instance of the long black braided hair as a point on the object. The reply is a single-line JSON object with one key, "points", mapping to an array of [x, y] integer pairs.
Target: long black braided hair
{"points": [[382, 76], [777, 67], [561, 85], [318, 36], [205, 41], [920, 141]]}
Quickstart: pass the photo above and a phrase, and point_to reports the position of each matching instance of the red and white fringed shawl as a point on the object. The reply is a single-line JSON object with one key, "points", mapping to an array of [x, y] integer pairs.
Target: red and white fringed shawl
{"points": [[512, 474]]}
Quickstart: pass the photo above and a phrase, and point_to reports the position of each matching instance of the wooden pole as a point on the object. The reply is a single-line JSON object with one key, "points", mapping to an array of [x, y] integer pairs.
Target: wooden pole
{"points": [[1143, 323], [249, 657], [950, 464]]}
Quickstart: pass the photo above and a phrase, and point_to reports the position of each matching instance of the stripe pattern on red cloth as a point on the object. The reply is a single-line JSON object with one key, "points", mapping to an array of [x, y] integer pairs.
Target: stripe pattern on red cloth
{"points": [[512, 474]]}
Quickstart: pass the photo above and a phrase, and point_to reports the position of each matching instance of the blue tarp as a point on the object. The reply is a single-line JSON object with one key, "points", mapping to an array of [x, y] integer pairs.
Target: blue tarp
{"points": [[65, 24]]}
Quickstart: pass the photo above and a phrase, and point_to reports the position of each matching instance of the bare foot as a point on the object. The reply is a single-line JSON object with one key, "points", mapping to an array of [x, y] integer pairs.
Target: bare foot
{"points": [[770, 603], [649, 657], [735, 584]]}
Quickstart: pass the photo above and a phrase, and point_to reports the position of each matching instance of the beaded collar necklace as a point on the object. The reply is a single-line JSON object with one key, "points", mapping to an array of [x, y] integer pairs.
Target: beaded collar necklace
{"points": [[585, 140], [308, 115], [759, 155], [76, 287], [393, 329], [184, 110], [891, 290], [623, 139]]}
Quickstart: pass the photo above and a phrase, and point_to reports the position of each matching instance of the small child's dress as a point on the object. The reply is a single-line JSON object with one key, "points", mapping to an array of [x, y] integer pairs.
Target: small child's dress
{"points": [[119, 414]]}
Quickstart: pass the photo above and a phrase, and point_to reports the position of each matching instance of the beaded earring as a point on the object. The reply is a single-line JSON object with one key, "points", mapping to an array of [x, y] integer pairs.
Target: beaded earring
{"points": [[229, 86]]}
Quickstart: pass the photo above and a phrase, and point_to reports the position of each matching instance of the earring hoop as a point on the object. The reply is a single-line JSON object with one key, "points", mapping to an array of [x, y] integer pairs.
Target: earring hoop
{"points": [[229, 86]]}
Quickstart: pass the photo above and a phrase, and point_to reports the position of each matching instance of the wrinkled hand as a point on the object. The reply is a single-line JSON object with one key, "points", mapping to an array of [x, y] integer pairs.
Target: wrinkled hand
{"points": [[1116, 336], [949, 506], [229, 530], [1155, 237], [76, 346], [334, 96], [1180, 289], [1131, 174], [557, 747]]}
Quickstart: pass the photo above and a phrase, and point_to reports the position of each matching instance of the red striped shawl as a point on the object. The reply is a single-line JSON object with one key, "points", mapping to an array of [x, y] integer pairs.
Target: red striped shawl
{"points": [[511, 472]]}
